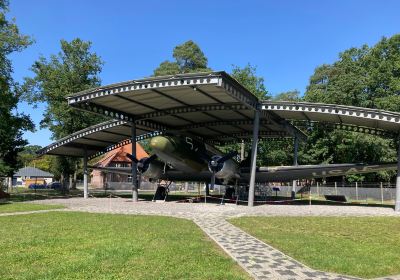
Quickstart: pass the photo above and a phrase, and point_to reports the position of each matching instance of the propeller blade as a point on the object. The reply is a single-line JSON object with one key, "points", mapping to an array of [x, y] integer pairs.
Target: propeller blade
{"points": [[150, 159], [204, 156], [132, 158], [227, 156]]}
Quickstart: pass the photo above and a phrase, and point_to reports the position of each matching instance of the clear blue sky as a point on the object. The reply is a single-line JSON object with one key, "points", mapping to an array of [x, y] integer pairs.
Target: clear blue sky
{"points": [[286, 40]]}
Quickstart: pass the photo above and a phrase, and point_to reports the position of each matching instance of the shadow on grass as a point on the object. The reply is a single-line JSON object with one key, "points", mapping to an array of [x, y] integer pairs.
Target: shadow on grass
{"points": [[277, 200], [29, 195]]}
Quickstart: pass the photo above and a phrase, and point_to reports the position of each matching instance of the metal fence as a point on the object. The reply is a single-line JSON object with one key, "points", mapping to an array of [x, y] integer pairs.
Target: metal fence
{"points": [[384, 192]]}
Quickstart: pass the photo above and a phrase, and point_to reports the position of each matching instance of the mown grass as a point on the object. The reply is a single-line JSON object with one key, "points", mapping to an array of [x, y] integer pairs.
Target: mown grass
{"points": [[22, 207], [359, 246], [103, 246]]}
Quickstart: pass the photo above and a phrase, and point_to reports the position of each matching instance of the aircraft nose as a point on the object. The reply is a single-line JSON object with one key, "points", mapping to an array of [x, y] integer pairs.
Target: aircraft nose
{"points": [[161, 144]]}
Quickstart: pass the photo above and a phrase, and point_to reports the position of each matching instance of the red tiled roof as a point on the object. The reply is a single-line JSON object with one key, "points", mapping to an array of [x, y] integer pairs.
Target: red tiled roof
{"points": [[119, 155]]}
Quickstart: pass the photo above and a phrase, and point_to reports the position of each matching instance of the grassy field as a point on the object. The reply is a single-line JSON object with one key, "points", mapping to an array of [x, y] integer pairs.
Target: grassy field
{"points": [[21, 207], [360, 246], [103, 246]]}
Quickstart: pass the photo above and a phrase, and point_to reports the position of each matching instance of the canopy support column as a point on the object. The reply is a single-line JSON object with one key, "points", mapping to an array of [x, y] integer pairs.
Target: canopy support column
{"points": [[134, 164], [253, 166], [85, 175], [397, 201], [296, 148]]}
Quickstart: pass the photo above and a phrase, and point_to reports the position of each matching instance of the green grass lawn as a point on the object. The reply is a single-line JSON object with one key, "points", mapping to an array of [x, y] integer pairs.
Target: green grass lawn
{"points": [[61, 245], [21, 207], [360, 246]]}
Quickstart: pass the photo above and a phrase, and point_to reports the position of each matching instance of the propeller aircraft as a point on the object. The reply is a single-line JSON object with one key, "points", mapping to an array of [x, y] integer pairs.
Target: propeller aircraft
{"points": [[185, 158]]}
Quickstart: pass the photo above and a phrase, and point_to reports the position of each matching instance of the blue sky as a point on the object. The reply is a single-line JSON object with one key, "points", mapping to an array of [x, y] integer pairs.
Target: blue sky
{"points": [[286, 40]]}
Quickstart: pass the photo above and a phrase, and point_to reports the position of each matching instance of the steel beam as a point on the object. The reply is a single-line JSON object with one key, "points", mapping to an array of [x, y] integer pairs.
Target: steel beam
{"points": [[134, 164], [296, 147], [85, 175], [397, 201], [253, 166], [290, 128], [125, 142]]}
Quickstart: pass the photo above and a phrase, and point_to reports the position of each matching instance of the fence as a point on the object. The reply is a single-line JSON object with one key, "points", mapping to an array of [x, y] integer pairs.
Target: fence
{"points": [[384, 192]]}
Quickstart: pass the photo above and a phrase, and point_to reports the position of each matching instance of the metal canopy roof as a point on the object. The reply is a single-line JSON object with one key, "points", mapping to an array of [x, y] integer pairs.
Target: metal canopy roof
{"points": [[212, 106], [98, 138], [351, 118]]}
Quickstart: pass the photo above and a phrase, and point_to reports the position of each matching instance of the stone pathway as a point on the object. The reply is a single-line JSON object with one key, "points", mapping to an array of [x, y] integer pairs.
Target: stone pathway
{"points": [[257, 258]]}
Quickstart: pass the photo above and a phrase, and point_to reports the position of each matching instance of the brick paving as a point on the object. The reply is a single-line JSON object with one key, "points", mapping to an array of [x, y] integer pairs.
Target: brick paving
{"points": [[256, 257]]}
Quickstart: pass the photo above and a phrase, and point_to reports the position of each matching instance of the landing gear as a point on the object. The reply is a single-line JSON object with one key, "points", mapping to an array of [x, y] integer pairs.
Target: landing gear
{"points": [[161, 192]]}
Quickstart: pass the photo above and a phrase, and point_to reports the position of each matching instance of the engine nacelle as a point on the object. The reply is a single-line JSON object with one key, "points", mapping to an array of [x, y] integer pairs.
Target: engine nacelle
{"points": [[154, 170], [225, 171]]}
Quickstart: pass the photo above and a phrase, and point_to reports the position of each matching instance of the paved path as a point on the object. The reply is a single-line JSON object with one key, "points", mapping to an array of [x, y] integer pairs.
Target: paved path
{"points": [[259, 259]]}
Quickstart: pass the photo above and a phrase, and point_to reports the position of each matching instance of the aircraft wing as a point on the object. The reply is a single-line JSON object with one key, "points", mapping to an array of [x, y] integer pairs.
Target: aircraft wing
{"points": [[288, 173], [271, 174]]}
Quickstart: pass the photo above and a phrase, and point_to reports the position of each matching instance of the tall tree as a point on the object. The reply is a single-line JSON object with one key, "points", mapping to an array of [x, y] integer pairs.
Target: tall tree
{"points": [[12, 123], [366, 77], [247, 77], [73, 69], [293, 95], [189, 58]]}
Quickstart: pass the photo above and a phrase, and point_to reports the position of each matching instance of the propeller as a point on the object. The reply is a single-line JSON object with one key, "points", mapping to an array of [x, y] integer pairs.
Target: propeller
{"points": [[142, 164], [216, 163]]}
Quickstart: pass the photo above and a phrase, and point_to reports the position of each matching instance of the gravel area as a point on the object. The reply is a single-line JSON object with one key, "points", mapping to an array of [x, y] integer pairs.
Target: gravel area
{"points": [[191, 210]]}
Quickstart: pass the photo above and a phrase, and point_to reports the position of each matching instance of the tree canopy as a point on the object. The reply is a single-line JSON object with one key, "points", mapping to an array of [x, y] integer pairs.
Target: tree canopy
{"points": [[189, 58], [365, 77], [12, 123], [247, 77], [73, 69]]}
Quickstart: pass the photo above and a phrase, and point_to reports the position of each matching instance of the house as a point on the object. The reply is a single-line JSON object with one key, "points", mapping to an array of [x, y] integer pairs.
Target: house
{"points": [[116, 158], [32, 175]]}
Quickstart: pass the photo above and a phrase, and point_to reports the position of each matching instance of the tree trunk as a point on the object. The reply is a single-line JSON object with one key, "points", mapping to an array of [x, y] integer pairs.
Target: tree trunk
{"points": [[9, 188], [74, 181]]}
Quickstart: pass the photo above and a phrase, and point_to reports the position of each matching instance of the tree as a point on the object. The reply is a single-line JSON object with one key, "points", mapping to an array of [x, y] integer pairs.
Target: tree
{"points": [[247, 77], [365, 77], [293, 95], [75, 68], [12, 123], [189, 58], [28, 154]]}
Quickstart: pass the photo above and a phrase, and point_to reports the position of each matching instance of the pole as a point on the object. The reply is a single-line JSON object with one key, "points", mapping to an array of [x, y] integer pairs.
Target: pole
{"points": [[317, 190], [134, 164], [208, 186], [356, 190], [206, 191], [10, 181], [397, 201], [294, 183], [381, 192], [242, 150], [85, 175], [254, 158], [336, 188]]}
